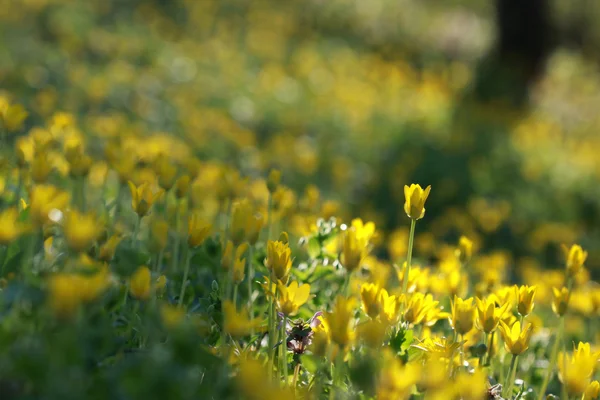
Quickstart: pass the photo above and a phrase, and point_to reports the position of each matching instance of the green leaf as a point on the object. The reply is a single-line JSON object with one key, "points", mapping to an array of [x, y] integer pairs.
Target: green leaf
{"points": [[127, 258], [401, 341], [310, 363], [313, 247]]}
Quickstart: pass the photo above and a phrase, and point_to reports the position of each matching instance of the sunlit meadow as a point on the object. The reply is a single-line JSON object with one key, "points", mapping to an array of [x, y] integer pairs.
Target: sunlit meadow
{"points": [[225, 200]]}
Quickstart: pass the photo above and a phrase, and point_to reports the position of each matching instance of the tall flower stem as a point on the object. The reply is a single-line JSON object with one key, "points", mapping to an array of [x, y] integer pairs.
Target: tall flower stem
{"points": [[295, 379], [553, 357], [176, 242], [186, 271], [510, 377], [411, 238], [249, 278], [283, 351], [272, 325]]}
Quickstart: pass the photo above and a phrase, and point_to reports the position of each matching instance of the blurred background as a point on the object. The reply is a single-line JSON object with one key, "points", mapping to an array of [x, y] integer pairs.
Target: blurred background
{"points": [[492, 103]]}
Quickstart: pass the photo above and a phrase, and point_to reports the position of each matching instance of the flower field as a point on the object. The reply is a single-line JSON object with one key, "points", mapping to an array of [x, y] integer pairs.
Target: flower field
{"points": [[205, 199]]}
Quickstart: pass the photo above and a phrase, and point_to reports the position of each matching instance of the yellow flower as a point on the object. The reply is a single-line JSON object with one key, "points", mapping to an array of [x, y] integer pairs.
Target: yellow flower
{"points": [[516, 341], [355, 249], [40, 167], [415, 198], [488, 315], [372, 333], [107, 250], [463, 315], [339, 320], [278, 259], [140, 285], [142, 197], [64, 294], [237, 325], [592, 391], [10, 227], [575, 258], [68, 291], [245, 223], [371, 299], [525, 296], [43, 199], [198, 230], [397, 380], [159, 234], [417, 307], [171, 316], [160, 283], [390, 308], [182, 185], [253, 381], [273, 180], [577, 375], [79, 163], [12, 116], [81, 230], [228, 257], [471, 386], [238, 270], [560, 301], [465, 249], [166, 171], [291, 298]]}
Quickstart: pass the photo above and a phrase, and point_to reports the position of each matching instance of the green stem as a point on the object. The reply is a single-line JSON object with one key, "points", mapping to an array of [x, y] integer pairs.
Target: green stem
{"points": [[510, 377], [295, 379], [249, 278], [482, 357], [118, 202], [564, 346], [269, 216], [272, 325], [411, 238], [283, 351], [186, 270], [159, 260], [136, 231], [553, 357], [177, 241], [235, 295]]}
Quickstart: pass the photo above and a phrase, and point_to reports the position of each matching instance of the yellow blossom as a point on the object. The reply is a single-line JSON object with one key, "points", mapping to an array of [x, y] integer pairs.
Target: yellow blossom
{"points": [[560, 301], [488, 315], [575, 258], [525, 296], [140, 283], [245, 223], [45, 198], [229, 256], [273, 180], [415, 198], [592, 391], [159, 233], [338, 320], [12, 116], [81, 230], [371, 302], [390, 307], [107, 250], [292, 297], [463, 315], [10, 227], [279, 260], [182, 186], [355, 249], [237, 324], [143, 197], [198, 230], [172, 316], [516, 341], [417, 307], [372, 333], [465, 249], [40, 167]]}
